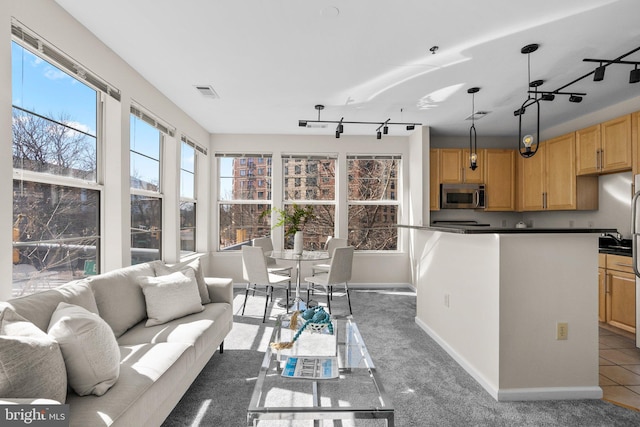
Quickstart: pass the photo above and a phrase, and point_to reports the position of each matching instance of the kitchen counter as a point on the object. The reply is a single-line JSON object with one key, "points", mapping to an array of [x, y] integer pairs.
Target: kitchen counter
{"points": [[493, 297], [471, 229]]}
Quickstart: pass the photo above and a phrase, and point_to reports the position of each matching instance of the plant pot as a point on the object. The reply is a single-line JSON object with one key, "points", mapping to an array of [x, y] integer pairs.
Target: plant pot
{"points": [[298, 242]]}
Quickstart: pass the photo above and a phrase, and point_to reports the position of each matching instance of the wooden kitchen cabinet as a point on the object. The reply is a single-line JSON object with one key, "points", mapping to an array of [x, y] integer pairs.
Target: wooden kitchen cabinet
{"points": [[548, 181], [499, 179], [619, 293], [605, 147], [616, 145], [602, 287], [434, 179], [635, 140], [454, 167]]}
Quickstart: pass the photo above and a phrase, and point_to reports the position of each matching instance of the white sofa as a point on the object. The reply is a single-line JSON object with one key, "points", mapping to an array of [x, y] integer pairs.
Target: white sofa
{"points": [[157, 363]]}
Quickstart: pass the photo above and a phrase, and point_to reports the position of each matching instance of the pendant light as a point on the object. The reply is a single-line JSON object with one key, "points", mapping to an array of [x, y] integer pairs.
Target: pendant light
{"points": [[473, 136], [528, 144]]}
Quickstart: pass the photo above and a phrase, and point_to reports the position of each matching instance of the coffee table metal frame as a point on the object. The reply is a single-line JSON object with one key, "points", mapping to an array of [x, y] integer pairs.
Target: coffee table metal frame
{"points": [[353, 357]]}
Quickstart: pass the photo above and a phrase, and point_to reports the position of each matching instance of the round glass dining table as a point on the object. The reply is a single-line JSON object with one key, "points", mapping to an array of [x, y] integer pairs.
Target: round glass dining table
{"points": [[305, 256]]}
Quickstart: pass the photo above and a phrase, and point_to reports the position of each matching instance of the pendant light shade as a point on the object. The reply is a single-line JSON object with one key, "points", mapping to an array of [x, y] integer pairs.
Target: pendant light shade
{"points": [[473, 135]]}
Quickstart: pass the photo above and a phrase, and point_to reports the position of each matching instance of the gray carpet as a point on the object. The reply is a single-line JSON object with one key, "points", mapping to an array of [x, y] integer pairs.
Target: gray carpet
{"points": [[427, 386]]}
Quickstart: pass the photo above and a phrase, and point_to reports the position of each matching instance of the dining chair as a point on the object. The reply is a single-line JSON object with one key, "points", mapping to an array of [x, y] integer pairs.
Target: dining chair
{"points": [[267, 247], [339, 273], [330, 246], [255, 272]]}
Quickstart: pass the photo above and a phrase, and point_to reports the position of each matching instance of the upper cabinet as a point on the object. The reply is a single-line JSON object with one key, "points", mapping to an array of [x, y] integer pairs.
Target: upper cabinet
{"points": [[547, 181], [499, 179], [635, 141], [604, 148], [434, 180], [454, 167]]}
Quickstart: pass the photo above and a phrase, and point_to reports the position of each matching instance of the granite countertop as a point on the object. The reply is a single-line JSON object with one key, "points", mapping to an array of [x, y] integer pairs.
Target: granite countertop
{"points": [[470, 229]]}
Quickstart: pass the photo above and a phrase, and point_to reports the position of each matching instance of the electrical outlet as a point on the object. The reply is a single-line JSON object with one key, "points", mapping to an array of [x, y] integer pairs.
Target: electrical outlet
{"points": [[504, 222], [446, 300], [562, 332], [590, 224], [571, 223]]}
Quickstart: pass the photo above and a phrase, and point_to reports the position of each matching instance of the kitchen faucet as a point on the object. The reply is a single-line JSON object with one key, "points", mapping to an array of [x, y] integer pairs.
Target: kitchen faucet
{"points": [[617, 238]]}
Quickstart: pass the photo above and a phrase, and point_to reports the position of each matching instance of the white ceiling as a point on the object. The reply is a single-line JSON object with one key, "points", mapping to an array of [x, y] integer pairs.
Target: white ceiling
{"points": [[271, 61]]}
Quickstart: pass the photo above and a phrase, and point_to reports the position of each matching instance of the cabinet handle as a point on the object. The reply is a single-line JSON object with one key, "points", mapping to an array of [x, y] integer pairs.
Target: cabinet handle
{"points": [[544, 200], [464, 175], [601, 159], [598, 159], [606, 284], [623, 264]]}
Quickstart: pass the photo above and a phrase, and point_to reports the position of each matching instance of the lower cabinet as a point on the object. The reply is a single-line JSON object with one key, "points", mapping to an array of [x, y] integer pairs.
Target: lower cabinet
{"points": [[617, 293]]}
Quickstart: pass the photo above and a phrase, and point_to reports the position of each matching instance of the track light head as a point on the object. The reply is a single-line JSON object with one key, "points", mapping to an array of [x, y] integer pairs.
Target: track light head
{"points": [[548, 97], [634, 77], [337, 133], [598, 75], [575, 98], [302, 123], [385, 130], [378, 135], [340, 128], [411, 127]]}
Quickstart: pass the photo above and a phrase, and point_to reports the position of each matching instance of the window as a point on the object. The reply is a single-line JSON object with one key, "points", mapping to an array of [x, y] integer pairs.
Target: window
{"points": [[369, 195], [188, 156], [56, 194], [302, 188], [240, 204], [146, 140]]}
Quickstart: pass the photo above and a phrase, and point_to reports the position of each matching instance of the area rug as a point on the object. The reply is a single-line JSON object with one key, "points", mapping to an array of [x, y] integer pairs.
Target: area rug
{"points": [[427, 387]]}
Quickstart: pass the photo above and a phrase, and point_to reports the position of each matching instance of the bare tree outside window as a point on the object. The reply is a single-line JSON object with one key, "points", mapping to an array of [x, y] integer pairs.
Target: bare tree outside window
{"points": [[372, 184]]}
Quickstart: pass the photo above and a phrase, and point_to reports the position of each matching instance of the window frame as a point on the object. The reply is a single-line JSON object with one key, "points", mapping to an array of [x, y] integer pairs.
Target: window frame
{"points": [[383, 203], [268, 181], [30, 42], [182, 199]]}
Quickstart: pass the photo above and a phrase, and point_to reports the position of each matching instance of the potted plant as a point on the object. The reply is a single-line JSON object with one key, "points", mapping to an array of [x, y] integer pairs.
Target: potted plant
{"points": [[293, 220]]}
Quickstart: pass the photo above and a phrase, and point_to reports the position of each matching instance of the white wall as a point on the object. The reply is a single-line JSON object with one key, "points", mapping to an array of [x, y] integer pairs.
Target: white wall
{"points": [[58, 28], [368, 268]]}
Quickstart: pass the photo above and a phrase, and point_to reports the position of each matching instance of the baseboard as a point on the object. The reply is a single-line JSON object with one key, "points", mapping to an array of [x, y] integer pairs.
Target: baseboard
{"points": [[549, 393], [514, 394]]}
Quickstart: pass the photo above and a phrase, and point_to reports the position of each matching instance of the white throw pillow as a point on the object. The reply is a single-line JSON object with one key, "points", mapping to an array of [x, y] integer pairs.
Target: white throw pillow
{"points": [[170, 297], [89, 348], [31, 365], [162, 269]]}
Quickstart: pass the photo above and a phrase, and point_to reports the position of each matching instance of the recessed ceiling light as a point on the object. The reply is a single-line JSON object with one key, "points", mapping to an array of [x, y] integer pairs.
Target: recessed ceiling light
{"points": [[329, 12]]}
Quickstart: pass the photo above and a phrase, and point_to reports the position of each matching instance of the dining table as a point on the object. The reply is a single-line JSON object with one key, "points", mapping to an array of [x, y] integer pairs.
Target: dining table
{"points": [[299, 258]]}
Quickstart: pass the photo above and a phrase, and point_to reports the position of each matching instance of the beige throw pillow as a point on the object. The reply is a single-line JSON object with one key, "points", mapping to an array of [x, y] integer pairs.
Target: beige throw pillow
{"points": [[164, 269], [89, 348], [31, 364], [170, 297]]}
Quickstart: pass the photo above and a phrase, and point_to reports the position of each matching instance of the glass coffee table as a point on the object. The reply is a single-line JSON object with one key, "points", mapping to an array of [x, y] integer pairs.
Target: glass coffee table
{"points": [[357, 393]]}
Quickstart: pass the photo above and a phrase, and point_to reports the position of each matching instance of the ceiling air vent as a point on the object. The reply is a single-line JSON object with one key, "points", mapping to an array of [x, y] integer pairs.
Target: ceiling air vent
{"points": [[477, 115], [207, 91]]}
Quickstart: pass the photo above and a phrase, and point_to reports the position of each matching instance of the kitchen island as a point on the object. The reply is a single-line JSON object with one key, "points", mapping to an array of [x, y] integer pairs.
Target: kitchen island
{"points": [[495, 299]]}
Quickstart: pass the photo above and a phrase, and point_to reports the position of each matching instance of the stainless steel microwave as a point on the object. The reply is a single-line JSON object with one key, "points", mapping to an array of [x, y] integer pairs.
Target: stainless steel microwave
{"points": [[462, 196]]}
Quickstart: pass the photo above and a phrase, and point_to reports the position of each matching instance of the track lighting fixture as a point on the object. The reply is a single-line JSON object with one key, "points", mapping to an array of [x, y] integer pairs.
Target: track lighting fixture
{"points": [[634, 77], [383, 127], [575, 98], [548, 96], [598, 74], [473, 136]]}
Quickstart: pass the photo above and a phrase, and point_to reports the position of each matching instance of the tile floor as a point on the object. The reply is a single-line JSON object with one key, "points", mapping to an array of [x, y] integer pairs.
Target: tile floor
{"points": [[619, 368]]}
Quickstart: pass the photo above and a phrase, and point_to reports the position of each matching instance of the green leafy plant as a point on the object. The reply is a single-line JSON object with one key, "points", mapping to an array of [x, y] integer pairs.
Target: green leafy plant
{"points": [[292, 219]]}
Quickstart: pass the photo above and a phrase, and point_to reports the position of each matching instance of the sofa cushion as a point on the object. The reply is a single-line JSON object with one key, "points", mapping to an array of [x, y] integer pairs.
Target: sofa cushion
{"points": [[31, 364], [39, 307], [89, 348], [164, 269], [148, 372], [170, 297], [201, 330], [119, 298]]}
